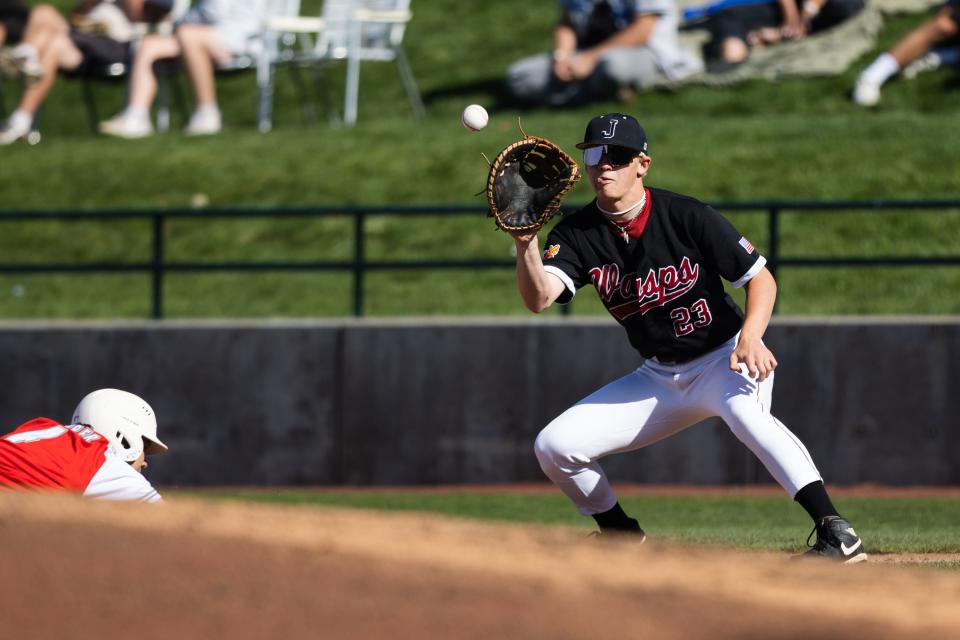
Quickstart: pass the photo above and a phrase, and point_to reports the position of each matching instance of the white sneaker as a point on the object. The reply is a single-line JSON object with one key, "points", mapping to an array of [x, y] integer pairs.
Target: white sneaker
{"points": [[19, 62], [204, 122], [866, 93], [927, 62], [126, 126], [30, 68], [12, 130]]}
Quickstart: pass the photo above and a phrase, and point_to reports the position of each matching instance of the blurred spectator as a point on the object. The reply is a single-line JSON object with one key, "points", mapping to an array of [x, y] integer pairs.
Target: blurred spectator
{"points": [[98, 33], [915, 50], [602, 48], [739, 25], [210, 34]]}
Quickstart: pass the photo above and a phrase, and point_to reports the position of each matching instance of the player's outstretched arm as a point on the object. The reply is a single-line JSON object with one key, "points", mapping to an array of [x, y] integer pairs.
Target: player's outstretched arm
{"points": [[750, 350], [538, 288]]}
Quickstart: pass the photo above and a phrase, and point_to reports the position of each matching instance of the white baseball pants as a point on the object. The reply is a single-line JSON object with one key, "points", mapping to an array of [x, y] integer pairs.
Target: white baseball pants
{"points": [[654, 402]]}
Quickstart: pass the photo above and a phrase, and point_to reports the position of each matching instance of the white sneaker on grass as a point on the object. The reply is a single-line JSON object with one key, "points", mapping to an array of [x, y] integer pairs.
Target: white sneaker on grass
{"points": [[866, 93], [204, 122], [125, 125], [14, 129]]}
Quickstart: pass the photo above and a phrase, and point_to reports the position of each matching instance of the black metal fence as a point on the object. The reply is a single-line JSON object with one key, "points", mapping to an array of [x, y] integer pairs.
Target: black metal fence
{"points": [[158, 266]]}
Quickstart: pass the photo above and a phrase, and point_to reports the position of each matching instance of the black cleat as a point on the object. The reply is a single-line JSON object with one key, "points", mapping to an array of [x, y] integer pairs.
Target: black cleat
{"points": [[635, 536], [837, 541]]}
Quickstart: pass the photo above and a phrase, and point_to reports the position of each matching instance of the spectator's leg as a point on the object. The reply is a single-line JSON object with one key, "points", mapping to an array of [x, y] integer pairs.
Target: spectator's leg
{"points": [[134, 120], [528, 79], [734, 50], [45, 24], [532, 80], [143, 82], [730, 32], [727, 44], [202, 48], [622, 70], [59, 52], [942, 27]]}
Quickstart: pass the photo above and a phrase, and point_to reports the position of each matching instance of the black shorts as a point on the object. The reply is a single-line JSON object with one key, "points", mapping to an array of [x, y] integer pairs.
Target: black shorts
{"points": [[739, 20], [13, 16], [99, 51], [736, 22]]}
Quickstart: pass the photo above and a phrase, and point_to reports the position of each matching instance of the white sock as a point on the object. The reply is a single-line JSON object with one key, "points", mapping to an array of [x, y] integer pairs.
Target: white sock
{"points": [[882, 69], [20, 120], [138, 114], [207, 110]]}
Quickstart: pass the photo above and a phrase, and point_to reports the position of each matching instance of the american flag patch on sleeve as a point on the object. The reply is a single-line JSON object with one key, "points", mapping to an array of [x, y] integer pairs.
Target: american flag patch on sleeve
{"points": [[746, 245]]}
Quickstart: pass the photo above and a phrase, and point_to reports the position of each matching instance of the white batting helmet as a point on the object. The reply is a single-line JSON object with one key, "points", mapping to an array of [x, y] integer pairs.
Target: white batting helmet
{"points": [[125, 420]]}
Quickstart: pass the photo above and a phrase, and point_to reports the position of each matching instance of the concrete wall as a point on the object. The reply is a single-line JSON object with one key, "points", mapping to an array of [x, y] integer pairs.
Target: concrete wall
{"points": [[452, 402]]}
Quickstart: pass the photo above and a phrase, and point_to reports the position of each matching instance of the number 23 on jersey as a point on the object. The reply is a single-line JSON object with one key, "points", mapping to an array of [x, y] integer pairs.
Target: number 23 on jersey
{"points": [[686, 319]]}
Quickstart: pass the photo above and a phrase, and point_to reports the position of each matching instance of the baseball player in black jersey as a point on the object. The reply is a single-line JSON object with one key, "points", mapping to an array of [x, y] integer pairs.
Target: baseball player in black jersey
{"points": [[656, 260]]}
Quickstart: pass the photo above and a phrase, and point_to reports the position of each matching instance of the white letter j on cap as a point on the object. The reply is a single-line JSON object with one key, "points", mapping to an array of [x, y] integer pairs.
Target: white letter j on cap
{"points": [[609, 133]]}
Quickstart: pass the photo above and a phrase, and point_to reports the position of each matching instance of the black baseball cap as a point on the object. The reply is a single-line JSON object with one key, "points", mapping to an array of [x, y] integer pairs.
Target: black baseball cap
{"points": [[616, 129]]}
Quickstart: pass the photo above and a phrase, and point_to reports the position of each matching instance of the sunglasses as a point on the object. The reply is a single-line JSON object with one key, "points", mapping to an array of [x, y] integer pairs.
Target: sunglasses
{"points": [[616, 156]]}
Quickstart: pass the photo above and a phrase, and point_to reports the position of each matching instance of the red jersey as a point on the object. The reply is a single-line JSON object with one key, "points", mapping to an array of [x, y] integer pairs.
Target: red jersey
{"points": [[45, 454]]}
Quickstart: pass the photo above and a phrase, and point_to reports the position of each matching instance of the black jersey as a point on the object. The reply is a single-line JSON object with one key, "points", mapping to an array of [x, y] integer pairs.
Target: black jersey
{"points": [[664, 286]]}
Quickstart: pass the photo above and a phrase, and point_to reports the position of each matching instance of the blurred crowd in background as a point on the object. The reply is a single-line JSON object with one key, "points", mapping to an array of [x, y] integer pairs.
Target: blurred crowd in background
{"points": [[601, 49]]}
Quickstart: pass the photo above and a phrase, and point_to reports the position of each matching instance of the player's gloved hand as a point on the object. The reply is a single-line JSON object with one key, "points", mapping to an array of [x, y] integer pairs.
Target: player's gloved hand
{"points": [[526, 182], [755, 355]]}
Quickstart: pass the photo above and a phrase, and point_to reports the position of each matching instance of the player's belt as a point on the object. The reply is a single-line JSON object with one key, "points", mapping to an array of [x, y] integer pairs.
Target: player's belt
{"points": [[672, 363], [724, 347]]}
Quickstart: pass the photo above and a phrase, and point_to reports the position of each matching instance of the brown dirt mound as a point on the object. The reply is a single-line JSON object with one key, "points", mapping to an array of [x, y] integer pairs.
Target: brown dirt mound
{"points": [[197, 569]]}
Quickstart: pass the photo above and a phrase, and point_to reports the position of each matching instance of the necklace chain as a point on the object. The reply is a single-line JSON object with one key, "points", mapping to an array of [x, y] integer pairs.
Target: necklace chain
{"points": [[623, 227], [638, 205]]}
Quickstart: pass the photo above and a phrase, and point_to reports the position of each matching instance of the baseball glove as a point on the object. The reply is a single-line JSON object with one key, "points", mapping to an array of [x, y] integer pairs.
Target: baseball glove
{"points": [[526, 182]]}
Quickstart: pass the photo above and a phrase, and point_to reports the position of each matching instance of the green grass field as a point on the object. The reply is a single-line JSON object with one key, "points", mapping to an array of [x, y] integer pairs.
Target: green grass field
{"points": [[798, 139], [888, 525]]}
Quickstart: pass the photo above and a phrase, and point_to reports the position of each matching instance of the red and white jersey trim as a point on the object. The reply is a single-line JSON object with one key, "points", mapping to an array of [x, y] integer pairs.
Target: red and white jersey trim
{"points": [[564, 278], [748, 276]]}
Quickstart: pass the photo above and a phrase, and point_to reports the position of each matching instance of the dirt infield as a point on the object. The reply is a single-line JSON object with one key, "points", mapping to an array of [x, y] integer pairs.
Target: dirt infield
{"points": [[190, 569]]}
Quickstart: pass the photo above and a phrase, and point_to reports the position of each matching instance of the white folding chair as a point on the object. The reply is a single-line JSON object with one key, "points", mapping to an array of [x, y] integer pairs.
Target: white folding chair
{"points": [[351, 30]]}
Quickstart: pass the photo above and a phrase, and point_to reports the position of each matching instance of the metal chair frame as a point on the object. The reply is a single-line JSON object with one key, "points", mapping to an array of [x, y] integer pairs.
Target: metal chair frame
{"points": [[354, 31]]}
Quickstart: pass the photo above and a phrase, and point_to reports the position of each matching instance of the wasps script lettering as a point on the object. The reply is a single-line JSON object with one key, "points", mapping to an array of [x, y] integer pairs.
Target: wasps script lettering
{"points": [[633, 293]]}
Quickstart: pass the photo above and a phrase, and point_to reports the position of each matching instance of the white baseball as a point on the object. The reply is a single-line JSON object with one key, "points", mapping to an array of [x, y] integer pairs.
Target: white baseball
{"points": [[474, 117]]}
